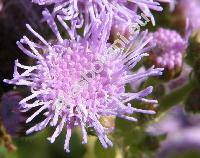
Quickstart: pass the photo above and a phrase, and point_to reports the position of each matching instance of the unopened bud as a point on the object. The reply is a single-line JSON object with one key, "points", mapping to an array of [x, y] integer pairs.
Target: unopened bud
{"points": [[168, 53]]}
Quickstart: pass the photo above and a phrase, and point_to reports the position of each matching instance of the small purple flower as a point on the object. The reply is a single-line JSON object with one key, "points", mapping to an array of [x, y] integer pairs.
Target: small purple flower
{"points": [[169, 50], [76, 82]]}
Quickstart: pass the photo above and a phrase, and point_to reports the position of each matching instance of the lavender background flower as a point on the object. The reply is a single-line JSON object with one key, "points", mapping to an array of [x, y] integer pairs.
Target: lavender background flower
{"points": [[181, 130], [13, 120], [191, 10]]}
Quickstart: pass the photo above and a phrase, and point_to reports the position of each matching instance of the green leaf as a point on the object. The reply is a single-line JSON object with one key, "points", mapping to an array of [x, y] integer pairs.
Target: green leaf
{"points": [[100, 152], [133, 139]]}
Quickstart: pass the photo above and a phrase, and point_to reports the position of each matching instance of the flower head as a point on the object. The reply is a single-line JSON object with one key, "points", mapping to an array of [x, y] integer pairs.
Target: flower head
{"points": [[169, 50], [76, 82], [123, 10]]}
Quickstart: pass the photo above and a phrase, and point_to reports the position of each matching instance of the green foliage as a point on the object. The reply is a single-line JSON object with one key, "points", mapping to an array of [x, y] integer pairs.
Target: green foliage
{"points": [[133, 139], [193, 51], [100, 152]]}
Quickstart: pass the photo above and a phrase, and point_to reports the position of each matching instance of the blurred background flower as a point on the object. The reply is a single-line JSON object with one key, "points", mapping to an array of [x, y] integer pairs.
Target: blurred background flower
{"points": [[190, 9], [182, 133], [11, 116]]}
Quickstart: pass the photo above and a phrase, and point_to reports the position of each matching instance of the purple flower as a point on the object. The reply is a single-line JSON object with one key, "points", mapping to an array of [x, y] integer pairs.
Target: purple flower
{"points": [[123, 11], [181, 130], [174, 120], [191, 10], [180, 142], [170, 47], [76, 82]]}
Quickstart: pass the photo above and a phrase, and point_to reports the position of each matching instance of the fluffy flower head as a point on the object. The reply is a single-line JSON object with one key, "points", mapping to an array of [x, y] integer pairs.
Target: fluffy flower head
{"points": [[123, 10], [76, 82], [170, 47]]}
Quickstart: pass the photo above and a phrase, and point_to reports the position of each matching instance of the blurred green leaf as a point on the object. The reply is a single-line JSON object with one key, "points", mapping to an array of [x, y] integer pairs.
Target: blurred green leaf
{"points": [[100, 152], [40, 147], [193, 51], [133, 139], [3, 152]]}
